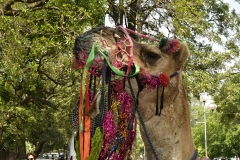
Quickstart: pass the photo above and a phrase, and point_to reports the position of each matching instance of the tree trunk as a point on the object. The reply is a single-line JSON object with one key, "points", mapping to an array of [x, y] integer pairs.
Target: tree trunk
{"points": [[39, 148], [21, 150]]}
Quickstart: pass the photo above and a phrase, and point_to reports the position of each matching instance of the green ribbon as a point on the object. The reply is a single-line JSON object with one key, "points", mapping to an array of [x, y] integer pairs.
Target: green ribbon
{"points": [[118, 72]]}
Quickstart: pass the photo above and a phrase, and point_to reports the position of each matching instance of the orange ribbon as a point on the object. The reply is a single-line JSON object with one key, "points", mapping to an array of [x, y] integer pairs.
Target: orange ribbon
{"points": [[85, 133]]}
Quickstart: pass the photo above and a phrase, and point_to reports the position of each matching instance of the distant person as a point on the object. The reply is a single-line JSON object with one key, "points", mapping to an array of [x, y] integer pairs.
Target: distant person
{"points": [[30, 156]]}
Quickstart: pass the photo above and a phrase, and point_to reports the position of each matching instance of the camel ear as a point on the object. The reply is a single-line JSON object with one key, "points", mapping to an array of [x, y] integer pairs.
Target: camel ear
{"points": [[181, 55]]}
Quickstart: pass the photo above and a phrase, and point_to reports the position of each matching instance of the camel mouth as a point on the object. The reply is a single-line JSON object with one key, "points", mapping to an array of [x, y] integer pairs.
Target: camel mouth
{"points": [[105, 45]]}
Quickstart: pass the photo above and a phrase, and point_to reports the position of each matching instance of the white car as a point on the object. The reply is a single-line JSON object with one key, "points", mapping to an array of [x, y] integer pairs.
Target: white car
{"points": [[54, 156], [220, 158]]}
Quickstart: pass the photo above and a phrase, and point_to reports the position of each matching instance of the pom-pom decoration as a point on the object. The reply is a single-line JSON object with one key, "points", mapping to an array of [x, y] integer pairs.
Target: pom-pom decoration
{"points": [[165, 79], [163, 42], [152, 82], [169, 46]]}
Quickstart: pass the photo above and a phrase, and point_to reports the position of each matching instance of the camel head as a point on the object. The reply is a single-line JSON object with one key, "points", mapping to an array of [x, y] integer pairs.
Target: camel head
{"points": [[158, 67]]}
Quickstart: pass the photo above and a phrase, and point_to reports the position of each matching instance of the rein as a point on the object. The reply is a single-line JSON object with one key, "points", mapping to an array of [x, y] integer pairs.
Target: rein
{"points": [[141, 119]]}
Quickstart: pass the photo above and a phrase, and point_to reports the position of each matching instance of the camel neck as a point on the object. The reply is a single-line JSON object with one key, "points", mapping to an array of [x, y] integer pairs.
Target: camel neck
{"points": [[170, 132]]}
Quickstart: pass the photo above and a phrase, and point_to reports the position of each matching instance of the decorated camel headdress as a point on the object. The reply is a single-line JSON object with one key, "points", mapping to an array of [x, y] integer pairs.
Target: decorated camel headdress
{"points": [[106, 120]]}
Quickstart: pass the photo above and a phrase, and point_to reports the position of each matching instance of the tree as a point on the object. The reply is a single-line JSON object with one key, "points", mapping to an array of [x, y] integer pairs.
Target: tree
{"points": [[36, 40], [228, 98], [222, 139], [38, 88]]}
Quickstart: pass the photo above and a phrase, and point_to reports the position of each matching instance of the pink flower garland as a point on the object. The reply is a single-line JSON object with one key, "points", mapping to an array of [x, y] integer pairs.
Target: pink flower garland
{"points": [[109, 134], [126, 102], [128, 143], [125, 136], [120, 137]]}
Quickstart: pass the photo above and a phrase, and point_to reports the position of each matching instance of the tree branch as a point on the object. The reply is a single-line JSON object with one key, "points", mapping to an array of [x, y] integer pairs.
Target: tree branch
{"points": [[8, 9], [39, 99]]}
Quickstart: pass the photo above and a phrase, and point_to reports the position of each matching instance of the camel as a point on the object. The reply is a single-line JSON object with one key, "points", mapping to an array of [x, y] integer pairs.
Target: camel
{"points": [[169, 129]]}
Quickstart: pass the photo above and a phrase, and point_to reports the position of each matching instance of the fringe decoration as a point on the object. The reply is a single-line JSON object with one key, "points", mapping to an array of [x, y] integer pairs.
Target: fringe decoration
{"points": [[96, 144]]}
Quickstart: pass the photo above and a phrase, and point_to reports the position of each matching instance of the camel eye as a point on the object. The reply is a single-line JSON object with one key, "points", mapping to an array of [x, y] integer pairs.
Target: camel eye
{"points": [[151, 55]]}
